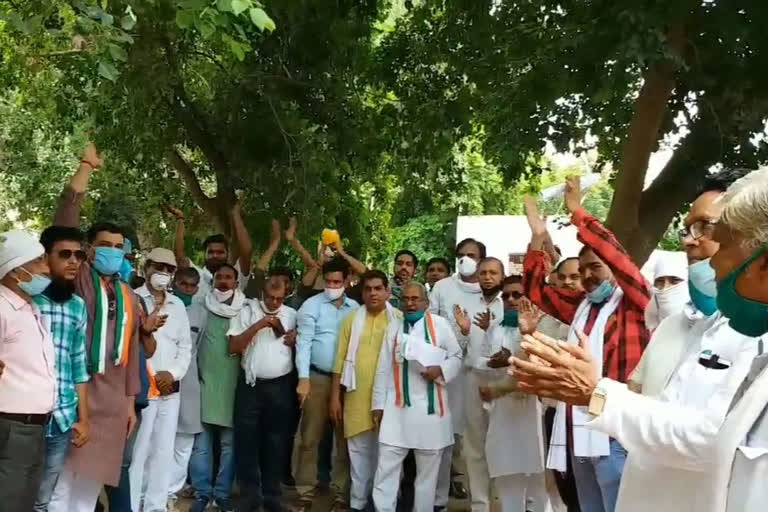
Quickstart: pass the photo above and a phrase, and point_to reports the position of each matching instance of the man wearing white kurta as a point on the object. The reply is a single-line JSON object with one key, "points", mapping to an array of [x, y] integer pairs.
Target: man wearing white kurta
{"points": [[701, 445], [153, 453], [449, 296], [410, 405]]}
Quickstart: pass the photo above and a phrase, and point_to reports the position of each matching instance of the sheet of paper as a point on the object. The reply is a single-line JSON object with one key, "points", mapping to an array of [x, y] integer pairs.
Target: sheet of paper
{"points": [[423, 353]]}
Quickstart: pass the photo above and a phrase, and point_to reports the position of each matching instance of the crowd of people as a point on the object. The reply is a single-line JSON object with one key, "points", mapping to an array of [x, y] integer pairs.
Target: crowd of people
{"points": [[577, 385]]}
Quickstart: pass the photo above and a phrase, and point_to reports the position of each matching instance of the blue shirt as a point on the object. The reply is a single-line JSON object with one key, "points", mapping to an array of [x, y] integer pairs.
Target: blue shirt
{"points": [[318, 328]]}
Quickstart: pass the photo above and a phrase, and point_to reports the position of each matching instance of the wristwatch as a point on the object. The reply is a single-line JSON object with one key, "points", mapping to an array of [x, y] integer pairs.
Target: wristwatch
{"points": [[597, 401]]}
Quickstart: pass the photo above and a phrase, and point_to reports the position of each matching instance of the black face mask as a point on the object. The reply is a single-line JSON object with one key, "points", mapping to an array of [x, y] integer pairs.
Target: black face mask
{"points": [[60, 290], [492, 292]]}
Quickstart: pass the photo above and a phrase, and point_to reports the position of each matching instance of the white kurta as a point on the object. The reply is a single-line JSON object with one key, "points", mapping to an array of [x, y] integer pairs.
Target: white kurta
{"points": [[412, 427], [671, 440], [515, 441]]}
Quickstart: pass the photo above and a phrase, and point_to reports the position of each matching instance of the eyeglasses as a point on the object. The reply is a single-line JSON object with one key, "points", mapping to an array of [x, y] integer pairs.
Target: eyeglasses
{"points": [[164, 267], [698, 229], [65, 254], [514, 295]]}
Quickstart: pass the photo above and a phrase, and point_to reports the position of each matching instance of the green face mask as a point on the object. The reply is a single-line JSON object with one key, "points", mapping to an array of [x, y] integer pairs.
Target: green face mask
{"points": [[745, 316], [185, 298]]}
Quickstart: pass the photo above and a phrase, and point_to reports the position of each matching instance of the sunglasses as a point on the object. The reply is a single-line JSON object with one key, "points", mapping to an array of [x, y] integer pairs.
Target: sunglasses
{"points": [[66, 254], [514, 295]]}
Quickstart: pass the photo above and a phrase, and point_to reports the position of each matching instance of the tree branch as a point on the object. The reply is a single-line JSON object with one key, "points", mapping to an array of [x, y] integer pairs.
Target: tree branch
{"points": [[188, 176]]}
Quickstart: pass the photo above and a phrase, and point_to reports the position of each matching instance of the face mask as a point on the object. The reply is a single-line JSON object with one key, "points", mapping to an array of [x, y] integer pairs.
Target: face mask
{"points": [[125, 271], [333, 293], [746, 316], [265, 309], [36, 286], [467, 266], [601, 293], [414, 317], [702, 276], [492, 292], [510, 318], [223, 296], [160, 280], [108, 260], [185, 297], [671, 300]]}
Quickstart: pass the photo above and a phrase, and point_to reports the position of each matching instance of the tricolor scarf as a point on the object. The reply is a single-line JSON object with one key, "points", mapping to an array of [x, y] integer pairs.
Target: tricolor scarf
{"points": [[402, 394], [123, 324]]}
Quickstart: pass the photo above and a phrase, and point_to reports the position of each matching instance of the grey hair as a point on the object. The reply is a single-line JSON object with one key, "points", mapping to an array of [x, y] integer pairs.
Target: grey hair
{"points": [[421, 287], [745, 208]]}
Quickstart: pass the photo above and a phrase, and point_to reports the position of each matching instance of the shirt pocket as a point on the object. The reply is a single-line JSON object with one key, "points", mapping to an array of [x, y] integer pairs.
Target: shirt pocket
{"points": [[707, 389]]}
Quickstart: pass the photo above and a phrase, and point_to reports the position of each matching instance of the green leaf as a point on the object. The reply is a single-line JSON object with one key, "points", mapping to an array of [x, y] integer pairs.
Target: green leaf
{"points": [[117, 52], [108, 70], [238, 49], [193, 4], [184, 18], [224, 5], [238, 6], [127, 22], [205, 28], [107, 19], [261, 20]]}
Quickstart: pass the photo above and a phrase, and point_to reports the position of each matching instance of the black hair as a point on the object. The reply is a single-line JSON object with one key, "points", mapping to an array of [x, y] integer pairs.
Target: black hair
{"points": [[273, 283], [496, 260], [566, 260], [53, 234], [336, 264], [374, 274], [100, 227], [440, 260], [720, 181], [282, 271], [402, 252], [231, 267], [215, 239], [468, 241], [513, 279], [187, 273]]}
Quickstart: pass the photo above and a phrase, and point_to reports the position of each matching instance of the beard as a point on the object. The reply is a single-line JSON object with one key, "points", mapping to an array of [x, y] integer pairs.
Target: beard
{"points": [[60, 290]]}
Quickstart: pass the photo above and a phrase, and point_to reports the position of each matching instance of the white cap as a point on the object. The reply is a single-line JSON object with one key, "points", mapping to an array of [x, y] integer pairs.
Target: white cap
{"points": [[671, 264], [160, 255], [17, 248]]}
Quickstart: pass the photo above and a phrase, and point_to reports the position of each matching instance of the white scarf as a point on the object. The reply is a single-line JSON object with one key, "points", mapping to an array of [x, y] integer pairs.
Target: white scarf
{"points": [[348, 373], [586, 442], [222, 309]]}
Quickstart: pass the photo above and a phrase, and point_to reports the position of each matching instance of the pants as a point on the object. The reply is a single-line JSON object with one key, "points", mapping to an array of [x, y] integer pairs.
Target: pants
{"points": [[475, 432], [150, 470], [182, 451], [56, 451], [311, 429], [119, 497], [520, 492], [444, 477], [294, 427], [387, 478], [201, 463], [22, 450], [598, 479], [566, 485], [363, 453], [75, 493], [263, 419]]}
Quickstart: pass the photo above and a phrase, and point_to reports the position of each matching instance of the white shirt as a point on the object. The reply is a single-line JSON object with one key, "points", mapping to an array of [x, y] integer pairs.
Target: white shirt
{"points": [[412, 427], [206, 279], [174, 345], [671, 439], [266, 356]]}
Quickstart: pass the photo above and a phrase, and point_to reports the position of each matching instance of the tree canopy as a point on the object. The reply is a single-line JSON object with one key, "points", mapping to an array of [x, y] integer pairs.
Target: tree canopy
{"points": [[383, 119]]}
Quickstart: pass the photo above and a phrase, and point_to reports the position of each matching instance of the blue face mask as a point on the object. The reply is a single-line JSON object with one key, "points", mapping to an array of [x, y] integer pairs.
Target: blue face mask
{"points": [[108, 260], [36, 286], [510, 318], [702, 286], [601, 293], [414, 317]]}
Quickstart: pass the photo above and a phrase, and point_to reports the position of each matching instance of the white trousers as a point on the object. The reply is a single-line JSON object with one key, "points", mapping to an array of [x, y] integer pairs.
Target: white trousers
{"points": [[153, 457], [475, 432], [387, 479], [363, 453], [74, 493], [444, 474], [182, 452], [520, 492]]}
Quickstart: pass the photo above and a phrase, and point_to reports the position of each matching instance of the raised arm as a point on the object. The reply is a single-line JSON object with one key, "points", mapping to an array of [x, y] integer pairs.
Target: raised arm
{"points": [[594, 235], [178, 245], [274, 243], [244, 242], [309, 262], [354, 264], [70, 201]]}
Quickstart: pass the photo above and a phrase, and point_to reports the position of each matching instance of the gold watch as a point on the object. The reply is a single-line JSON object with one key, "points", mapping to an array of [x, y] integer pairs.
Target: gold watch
{"points": [[597, 401]]}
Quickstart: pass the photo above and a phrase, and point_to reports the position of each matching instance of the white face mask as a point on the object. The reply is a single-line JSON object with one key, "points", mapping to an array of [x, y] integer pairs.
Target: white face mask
{"points": [[268, 311], [467, 266], [223, 296], [671, 300], [160, 280], [334, 293]]}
